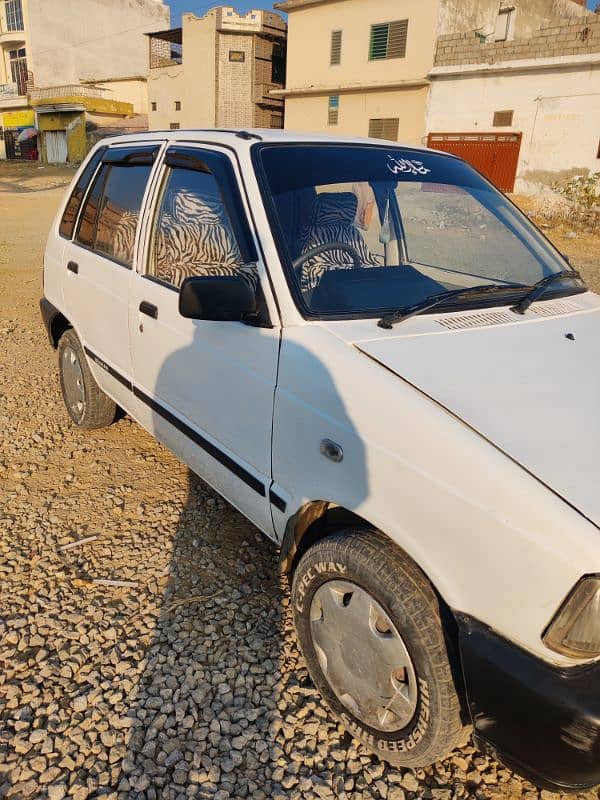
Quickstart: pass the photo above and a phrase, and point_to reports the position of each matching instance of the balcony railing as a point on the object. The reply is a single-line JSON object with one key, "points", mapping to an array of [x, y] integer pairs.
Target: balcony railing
{"points": [[68, 90]]}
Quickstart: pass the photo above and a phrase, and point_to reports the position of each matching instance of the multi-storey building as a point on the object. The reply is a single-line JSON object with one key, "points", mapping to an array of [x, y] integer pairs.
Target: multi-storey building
{"points": [[361, 67], [218, 71], [52, 56]]}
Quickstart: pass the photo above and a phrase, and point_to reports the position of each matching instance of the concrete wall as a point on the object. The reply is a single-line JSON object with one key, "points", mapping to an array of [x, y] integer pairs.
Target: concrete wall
{"points": [[191, 83], [578, 36], [73, 40], [557, 110], [529, 15], [132, 90], [309, 40], [308, 57], [355, 111]]}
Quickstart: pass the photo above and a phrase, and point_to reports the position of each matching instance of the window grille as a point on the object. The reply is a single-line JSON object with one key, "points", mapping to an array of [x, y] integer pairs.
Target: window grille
{"points": [[336, 48], [14, 15], [384, 128], [333, 110], [503, 119], [388, 40]]}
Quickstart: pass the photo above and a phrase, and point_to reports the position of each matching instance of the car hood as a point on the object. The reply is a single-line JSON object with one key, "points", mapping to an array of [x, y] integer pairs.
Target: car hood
{"points": [[530, 385]]}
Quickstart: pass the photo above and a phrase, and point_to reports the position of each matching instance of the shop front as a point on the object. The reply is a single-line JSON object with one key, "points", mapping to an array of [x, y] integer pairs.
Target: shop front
{"points": [[20, 135]]}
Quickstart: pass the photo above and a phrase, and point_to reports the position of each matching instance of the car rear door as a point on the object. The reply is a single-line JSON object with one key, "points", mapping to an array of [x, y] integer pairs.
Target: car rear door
{"points": [[99, 260], [205, 388]]}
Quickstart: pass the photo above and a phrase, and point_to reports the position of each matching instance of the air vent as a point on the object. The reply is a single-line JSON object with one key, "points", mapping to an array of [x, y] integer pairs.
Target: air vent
{"points": [[554, 308], [549, 308], [477, 320]]}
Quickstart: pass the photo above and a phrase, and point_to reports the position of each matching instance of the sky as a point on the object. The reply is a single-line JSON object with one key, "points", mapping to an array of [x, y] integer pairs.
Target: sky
{"points": [[200, 7]]}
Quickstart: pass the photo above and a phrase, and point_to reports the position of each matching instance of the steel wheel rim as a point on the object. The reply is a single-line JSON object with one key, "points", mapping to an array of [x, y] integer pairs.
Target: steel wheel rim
{"points": [[73, 382], [362, 656]]}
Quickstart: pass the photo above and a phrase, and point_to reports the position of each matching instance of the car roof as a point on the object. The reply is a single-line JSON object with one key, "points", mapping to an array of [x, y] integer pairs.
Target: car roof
{"points": [[242, 138]]}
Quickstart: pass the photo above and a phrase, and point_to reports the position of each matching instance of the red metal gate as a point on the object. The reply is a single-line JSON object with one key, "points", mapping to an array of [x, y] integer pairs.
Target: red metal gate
{"points": [[496, 155]]}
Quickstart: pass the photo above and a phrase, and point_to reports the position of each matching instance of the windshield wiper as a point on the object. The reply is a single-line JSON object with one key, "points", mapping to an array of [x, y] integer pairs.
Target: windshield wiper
{"points": [[434, 300], [538, 289]]}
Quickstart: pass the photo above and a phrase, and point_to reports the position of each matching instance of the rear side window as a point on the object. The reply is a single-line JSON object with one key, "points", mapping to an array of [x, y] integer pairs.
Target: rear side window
{"points": [[67, 223], [110, 216]]}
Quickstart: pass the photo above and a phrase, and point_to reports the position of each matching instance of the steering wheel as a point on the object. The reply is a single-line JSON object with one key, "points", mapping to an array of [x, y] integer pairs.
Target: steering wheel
{"points": [[299, 262]]}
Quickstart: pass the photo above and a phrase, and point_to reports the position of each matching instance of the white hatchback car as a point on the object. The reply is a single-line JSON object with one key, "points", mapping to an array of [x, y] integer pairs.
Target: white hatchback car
{"points": [[380, 361]]}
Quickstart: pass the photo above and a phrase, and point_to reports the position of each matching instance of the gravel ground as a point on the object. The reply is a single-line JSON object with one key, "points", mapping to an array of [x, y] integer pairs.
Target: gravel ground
{"points": [[186, 683]]}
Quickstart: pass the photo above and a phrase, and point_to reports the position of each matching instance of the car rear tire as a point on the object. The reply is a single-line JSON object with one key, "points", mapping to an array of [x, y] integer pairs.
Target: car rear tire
{"points": [[85, 402], [370, 629]]}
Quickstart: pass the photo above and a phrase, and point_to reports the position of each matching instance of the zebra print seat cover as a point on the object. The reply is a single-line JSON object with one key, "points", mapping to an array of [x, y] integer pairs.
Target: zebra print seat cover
{"points": [[193, 239], [333, 221]]}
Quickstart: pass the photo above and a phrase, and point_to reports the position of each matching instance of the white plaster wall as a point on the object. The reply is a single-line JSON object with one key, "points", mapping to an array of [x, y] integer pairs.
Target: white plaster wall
{"points": [[557, 111], [73, 40]]}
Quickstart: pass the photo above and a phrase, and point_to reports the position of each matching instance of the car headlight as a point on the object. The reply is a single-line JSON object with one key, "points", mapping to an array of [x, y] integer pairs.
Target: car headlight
{"points": [[575, 630]]}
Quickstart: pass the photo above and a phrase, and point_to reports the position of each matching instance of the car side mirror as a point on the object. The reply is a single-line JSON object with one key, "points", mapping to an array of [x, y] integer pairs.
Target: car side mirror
{"points": [[224, 298]]}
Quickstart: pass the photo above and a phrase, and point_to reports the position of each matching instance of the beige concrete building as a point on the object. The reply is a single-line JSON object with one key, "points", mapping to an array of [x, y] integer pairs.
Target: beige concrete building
{"points": [[218, 71], [526, 109], [361, 67], [71, 56]]}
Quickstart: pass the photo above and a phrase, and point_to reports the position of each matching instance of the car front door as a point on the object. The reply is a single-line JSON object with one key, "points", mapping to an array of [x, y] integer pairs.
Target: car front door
{"points": [[98, 264], [205, 388]]}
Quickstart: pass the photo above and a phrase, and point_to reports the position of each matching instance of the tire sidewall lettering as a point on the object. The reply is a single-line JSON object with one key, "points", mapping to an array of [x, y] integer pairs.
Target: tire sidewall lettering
{"points": [[318, 569]]}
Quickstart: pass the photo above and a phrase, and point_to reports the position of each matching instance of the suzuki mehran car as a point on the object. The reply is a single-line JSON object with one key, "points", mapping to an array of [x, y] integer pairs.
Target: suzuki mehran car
{"points": [[379, 360]]}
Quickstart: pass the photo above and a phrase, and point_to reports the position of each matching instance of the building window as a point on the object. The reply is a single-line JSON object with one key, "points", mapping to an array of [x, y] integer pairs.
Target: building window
{"points": [[598, 153], [503, 119], [336, 48], [384, 128], [174, 126], [18, 69], [237, 55], [277, 121], [333, 110], [177, 105], [153, 106], [503, 30], [278, 64], [14, 15], [388, 40]]}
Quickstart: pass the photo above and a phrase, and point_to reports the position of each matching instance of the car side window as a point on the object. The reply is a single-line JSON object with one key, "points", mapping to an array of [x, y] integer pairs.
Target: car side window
{"points": [[67, 223], [193, 232], [110, 216]]}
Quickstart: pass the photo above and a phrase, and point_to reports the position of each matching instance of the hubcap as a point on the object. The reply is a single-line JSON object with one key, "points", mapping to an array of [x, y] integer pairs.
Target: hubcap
{"points": [[73, 382], [363, 656]]}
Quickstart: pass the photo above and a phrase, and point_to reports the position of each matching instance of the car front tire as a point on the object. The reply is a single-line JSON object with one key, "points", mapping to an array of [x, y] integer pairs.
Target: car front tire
{"points": [[370, 629], [85, 402]]}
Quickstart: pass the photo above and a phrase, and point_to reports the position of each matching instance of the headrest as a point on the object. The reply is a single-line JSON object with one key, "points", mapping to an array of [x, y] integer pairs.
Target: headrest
{"points": [[335, 207], [190, 207]]}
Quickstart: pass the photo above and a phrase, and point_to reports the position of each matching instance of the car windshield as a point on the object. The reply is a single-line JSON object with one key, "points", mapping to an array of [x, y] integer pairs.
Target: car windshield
{"points": [[366, 229]]}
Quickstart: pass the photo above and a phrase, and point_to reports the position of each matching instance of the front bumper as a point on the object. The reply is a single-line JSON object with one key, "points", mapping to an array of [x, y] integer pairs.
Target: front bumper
{"points": [[541, 721]]}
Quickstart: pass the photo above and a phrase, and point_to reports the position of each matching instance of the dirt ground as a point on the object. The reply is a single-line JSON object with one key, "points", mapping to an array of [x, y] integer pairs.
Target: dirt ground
{"points": [[186, 682]]}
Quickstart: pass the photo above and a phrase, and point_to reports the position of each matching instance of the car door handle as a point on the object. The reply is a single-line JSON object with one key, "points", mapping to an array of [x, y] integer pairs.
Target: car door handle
{"points": [[149, 308], [73, 266]]}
